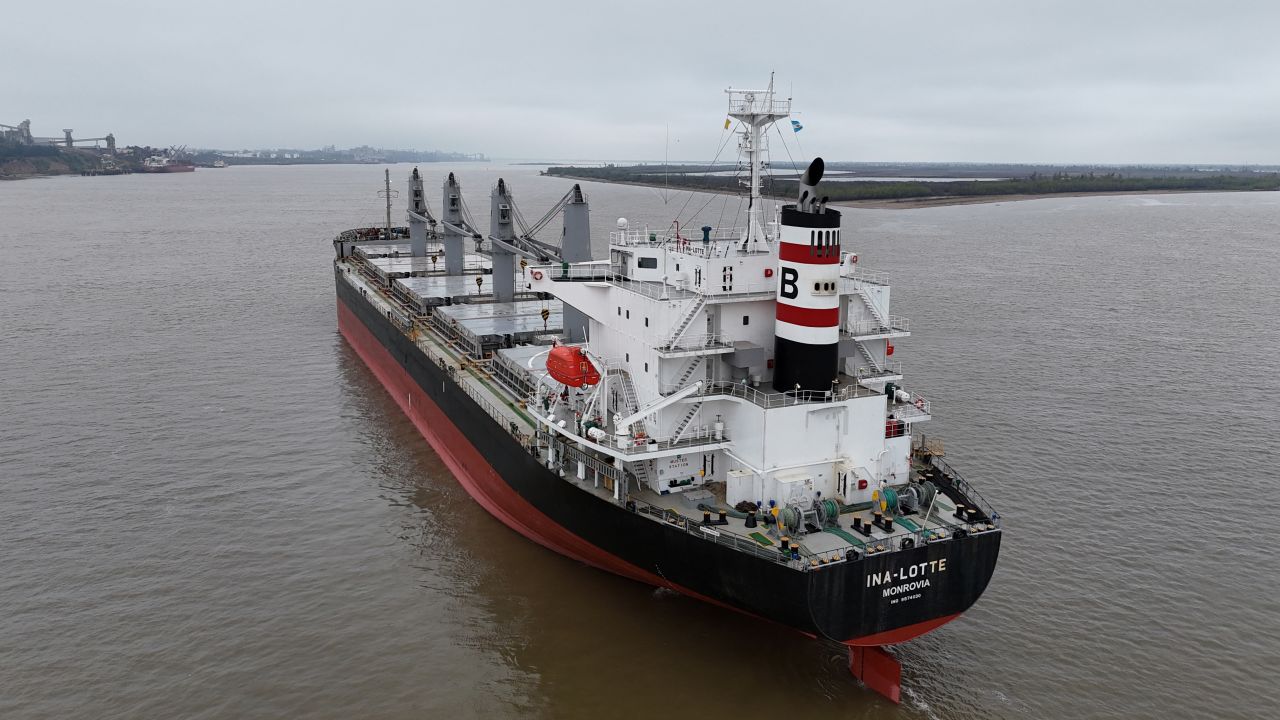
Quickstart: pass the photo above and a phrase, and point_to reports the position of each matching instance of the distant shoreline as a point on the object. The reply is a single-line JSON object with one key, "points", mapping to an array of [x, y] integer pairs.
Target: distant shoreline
{"points": [[916, 202]]}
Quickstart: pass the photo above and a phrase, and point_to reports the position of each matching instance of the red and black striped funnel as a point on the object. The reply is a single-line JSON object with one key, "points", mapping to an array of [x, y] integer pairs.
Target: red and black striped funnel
{"points": [[807, 326]]}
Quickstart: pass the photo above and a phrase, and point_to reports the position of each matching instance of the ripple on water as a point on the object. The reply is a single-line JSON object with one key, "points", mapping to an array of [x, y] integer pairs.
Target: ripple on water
{"points": [[211, 510]]}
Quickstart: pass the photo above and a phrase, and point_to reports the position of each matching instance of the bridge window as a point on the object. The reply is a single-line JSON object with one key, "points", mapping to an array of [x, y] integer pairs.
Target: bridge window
{"points": [[746, 319], [647, 263]]}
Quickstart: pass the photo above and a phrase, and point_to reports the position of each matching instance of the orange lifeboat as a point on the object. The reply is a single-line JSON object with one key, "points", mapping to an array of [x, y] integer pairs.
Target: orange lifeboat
{"points": [[570, 366]]}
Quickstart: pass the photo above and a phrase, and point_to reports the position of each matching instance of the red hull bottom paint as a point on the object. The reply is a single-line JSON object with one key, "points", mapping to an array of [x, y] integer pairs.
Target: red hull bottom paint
{"points": [[466, 463], [474, 473], [902, 634], [878, 670], [486, 487]]}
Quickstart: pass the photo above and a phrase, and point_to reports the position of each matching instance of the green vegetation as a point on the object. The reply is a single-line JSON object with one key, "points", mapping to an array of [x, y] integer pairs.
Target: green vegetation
{"points": [[12, 150], [1034, 184], [22, 160]]}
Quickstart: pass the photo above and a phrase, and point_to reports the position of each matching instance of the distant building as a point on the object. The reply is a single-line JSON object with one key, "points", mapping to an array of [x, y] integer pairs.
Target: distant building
{"points": [[20, 133]]}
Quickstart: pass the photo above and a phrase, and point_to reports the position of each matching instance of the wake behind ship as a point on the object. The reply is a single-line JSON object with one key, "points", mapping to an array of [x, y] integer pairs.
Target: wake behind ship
{"points": [[717, 412]]}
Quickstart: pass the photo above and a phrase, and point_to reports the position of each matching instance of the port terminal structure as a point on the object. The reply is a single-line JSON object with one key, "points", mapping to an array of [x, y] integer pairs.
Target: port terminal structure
{"points": [[21, 134]]}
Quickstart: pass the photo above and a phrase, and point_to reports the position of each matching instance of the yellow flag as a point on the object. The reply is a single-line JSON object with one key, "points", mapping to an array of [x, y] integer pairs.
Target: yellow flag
{"points": [[726, 123]]}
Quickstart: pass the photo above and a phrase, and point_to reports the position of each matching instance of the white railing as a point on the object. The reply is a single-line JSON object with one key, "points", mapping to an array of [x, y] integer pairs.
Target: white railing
{"points": [[579, 271], [634, 444], [875, 327], [613, 273], [689, 342], [757, 102], [770, 398], [915, 403], [769, 287], [851, 283], [690, 243], [629, 238], [889, 369]]}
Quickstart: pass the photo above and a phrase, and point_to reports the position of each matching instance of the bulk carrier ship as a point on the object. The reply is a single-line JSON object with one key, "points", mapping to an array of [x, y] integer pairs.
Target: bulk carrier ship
{"points": [[717, 413]]}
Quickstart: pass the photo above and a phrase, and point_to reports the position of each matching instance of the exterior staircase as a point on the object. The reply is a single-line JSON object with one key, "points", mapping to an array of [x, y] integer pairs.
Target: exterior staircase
{"points": [[684, 422], [687, 319], [875, 311], [639, 469], [629, 398], [866, 354], [688, 373]]}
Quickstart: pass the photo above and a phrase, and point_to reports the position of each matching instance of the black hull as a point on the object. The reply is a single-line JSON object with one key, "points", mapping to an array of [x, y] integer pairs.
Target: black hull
{"points": [[834, 601]]}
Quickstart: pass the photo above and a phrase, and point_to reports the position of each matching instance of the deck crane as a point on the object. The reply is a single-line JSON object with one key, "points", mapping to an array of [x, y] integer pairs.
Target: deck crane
{"points": [[528, 246]]}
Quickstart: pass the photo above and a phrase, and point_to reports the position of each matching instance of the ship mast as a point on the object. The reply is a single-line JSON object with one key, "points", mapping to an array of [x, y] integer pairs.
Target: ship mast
{"points": [[389, 194], [757, 110]]}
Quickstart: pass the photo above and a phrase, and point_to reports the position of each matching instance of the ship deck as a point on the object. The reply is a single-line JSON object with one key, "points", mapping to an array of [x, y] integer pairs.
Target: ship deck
{"points": [[489, 347]]}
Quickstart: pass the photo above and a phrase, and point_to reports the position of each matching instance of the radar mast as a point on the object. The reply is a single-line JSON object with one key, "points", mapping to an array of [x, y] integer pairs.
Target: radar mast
{"points": [[757, 110]]}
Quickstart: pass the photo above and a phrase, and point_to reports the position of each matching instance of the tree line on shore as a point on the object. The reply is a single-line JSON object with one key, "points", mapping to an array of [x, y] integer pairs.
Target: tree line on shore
{"points": [[1035, 184]]}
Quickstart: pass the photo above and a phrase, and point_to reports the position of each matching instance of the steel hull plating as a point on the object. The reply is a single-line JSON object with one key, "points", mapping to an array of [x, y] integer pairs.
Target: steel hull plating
{"points": [[877, 600]]}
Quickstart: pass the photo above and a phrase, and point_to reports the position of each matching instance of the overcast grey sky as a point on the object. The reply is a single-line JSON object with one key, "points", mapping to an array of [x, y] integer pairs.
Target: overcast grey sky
{"points": [[1001, 81]]}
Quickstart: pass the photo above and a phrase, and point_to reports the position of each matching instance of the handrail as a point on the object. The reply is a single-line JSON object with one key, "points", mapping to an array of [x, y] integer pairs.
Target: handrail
{"points": [[875, 327], [915, 401], [893, 367], [772, 399], [689, 342], [851, 282], [966, 489], [693, 527], [633, 445]]}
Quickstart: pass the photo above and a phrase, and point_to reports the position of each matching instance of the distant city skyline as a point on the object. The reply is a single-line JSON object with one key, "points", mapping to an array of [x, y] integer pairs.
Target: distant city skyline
{"points": [[1081, 82]]}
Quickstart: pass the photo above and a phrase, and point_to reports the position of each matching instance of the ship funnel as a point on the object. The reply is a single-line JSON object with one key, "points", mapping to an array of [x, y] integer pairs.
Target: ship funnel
{"points": [[807, 321], [809, 184]]}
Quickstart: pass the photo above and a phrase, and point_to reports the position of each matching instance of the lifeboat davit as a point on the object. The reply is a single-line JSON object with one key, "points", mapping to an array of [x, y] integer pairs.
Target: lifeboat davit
{"points": [[570, 366]]}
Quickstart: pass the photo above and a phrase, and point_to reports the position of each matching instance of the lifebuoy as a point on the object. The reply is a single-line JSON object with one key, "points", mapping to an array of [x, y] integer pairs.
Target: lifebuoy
{"points": [[537, 274]]}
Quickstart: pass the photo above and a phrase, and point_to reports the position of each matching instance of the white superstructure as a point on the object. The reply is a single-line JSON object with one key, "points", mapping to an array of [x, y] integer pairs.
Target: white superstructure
{"points": [[682, 326]]}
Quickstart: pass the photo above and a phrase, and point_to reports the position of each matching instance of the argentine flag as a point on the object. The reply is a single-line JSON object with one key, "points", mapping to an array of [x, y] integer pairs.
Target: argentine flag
{"points": [[796, 126]]}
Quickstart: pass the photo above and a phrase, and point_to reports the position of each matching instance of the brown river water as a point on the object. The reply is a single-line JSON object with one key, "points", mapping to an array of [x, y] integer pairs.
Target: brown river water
{"points": [[210, 509]]}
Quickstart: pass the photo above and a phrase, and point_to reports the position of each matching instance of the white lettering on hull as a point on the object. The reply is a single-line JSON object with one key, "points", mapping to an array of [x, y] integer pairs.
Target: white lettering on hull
{"points": [[906, 587], [905, 574]]}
